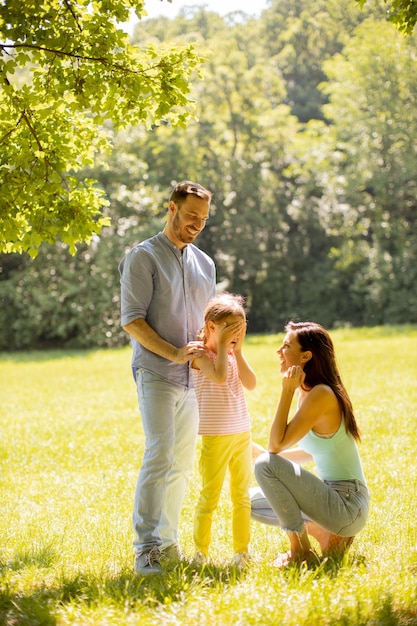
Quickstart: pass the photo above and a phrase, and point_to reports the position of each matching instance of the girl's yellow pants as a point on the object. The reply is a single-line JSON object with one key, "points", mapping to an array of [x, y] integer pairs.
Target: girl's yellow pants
{"points": [[219, 453]]}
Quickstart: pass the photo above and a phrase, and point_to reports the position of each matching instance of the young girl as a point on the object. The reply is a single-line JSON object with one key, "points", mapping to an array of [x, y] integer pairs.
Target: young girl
{"points": [[224, 423], [333, 506]]}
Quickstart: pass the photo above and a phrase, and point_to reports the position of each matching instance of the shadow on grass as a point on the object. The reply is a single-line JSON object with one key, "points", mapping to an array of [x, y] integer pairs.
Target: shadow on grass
{"points": [[130, 592], [125, 590], [41, 556], [331, 564]]}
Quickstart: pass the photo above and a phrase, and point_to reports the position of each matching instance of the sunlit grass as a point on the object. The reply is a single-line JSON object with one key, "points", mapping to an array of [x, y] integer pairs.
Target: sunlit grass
{"points": [[71, 448]]}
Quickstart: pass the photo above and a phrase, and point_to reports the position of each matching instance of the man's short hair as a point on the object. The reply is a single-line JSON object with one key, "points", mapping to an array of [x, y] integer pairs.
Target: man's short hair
{"points": [[187, 187]]}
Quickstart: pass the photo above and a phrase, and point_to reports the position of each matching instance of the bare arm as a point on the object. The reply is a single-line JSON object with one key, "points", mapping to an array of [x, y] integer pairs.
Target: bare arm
{"points": [[318, 409], [297, 455], [217, 372], [246, 373], [143, 333], [292, 454]]}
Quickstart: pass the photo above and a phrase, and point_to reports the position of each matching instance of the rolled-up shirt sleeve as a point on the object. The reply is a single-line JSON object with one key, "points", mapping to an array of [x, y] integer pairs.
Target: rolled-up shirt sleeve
{"points": [[136, 285], [169, 290]]}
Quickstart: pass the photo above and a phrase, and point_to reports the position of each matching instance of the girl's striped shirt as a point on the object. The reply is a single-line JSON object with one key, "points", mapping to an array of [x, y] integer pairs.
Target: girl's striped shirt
{"points": [[222, 407]]}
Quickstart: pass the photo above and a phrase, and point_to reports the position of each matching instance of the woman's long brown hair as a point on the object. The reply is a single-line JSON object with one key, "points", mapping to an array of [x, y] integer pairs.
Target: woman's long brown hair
{"points": [[322, 367]]}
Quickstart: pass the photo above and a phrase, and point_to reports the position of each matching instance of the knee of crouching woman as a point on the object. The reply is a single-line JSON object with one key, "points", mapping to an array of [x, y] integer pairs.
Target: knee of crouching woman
{"points": [[261, 466]]}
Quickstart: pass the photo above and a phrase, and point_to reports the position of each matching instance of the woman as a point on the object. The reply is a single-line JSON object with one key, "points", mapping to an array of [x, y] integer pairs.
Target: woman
{"points": [[331, 506]]}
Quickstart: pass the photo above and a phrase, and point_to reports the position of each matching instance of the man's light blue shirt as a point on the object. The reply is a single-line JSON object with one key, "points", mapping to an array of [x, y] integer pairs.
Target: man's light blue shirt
{"points": [[170, 290]]}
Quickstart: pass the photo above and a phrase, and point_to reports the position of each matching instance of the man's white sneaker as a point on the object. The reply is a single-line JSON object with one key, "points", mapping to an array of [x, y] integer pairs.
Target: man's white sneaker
{"points": [[148, 562]]}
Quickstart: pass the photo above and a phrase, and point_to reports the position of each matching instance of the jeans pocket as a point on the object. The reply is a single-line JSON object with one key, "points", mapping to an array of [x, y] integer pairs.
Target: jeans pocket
{"points": [[344, 493]]}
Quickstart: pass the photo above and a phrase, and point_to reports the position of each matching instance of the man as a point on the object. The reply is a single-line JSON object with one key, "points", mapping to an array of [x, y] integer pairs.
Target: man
{"points": [[166, 282]]}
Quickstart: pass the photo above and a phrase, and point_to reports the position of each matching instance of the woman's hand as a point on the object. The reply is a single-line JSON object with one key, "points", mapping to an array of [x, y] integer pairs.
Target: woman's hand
{"points": [[293, 378]]}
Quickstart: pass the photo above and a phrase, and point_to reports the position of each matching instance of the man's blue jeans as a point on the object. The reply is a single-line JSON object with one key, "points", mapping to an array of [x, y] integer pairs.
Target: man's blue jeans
{"points": [[170, 423]]}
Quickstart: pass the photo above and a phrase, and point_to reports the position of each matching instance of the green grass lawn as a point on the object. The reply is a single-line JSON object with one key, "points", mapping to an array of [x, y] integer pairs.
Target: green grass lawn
{"points": [[71, 447]]}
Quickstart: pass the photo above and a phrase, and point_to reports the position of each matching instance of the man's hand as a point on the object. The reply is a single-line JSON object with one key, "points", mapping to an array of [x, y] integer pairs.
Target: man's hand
{"points": [[189, 352]]}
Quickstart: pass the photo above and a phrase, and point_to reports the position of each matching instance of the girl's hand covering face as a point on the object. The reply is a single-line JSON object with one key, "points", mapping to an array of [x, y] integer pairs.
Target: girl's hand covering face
{"points": [[232, 334]]}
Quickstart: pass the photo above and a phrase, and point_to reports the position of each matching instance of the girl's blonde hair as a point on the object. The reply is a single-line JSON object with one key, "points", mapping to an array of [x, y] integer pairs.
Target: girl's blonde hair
{"points": [[220, 307]]}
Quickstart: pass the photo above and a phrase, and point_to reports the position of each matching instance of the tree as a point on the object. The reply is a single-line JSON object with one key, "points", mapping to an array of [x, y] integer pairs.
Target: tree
{"points": [[372, 88], [311, 220], [67, 69], [73, 301], [298, 36], [242, 147], [403, 13]]}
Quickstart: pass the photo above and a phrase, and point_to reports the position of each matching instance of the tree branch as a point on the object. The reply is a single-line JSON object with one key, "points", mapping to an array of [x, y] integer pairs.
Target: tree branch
{"points": [[25, 117], [70, 9], [79, 57]]}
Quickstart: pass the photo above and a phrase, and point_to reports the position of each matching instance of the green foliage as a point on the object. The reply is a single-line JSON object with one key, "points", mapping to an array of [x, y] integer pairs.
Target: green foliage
{"points": [[71, 449], [309, 218], [66, 68], [61, 299], [299, 36], [373, 123], [402, 13]]}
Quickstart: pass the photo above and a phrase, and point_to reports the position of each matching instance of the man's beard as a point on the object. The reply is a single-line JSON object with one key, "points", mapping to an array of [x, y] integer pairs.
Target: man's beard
{"points": [[181, 233]]}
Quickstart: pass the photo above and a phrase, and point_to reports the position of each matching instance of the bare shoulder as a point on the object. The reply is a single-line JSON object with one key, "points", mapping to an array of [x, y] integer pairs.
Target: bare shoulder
{"points": [[322, 394], [195, 363], [325, 405], [200, 361]]}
